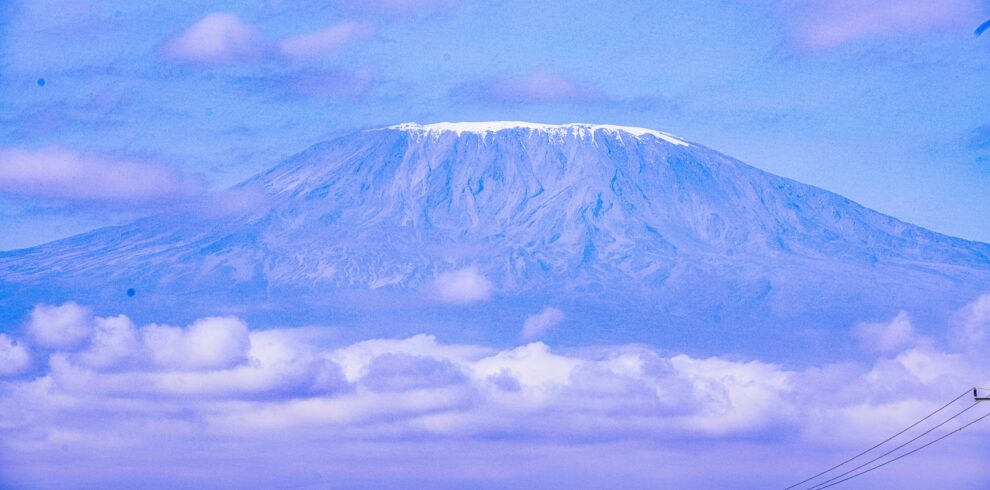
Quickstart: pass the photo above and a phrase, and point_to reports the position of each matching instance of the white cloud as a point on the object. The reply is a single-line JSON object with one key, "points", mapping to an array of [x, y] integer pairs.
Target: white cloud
{"points": [[886, 337], [60, 327], [532, 365], [325, 40], [971, 328], [462, 286], [219, 37], [115, 343], [537, 325], [14, 357], [210, 343], [736, 396]]}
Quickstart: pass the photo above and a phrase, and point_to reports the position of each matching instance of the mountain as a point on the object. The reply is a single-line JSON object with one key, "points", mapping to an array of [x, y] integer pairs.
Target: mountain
{"points": [[635, 230]]}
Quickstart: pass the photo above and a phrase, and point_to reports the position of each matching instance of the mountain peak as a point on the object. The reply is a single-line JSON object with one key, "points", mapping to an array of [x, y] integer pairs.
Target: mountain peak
{"points": [[580, 129], [618, 222]]}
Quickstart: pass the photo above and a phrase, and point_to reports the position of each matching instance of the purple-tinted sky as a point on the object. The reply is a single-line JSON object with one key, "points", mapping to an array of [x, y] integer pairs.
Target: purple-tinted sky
{"points": [[882, 101]]}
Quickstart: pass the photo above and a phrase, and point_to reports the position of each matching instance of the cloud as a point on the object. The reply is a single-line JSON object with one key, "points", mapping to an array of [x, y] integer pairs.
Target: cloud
{"points": [[537, 325], [535, 88], [532, 366], [114, 343], [402, 7], [886, 337], [60, 327], [399, 372], [219, 37], [223, 38], [462, 286], [210, 343], [971, 325], [216, 391], [60, 176], [331, 83], [823, 24], [14, 357], [356, 359], [325, 40]]}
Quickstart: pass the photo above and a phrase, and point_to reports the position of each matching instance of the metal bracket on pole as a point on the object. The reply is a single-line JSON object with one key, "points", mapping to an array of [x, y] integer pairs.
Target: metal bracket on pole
{"points": [[981, 394]]}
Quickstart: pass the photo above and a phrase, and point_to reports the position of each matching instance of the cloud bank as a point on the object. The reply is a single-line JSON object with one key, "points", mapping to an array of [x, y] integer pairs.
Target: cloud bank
{"points": [[166, 403]]}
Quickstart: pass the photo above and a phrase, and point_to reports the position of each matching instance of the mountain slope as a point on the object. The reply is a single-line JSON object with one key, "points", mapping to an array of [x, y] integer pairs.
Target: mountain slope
{"points": [[593, 214]]}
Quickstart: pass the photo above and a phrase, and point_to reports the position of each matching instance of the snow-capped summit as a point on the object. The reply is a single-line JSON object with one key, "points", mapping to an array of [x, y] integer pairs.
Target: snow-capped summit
{"points": [[616, 221], [581, 129]]}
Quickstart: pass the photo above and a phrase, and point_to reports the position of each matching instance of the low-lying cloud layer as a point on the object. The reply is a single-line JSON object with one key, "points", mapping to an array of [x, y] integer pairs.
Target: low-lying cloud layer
{"points": [[83, 393]]}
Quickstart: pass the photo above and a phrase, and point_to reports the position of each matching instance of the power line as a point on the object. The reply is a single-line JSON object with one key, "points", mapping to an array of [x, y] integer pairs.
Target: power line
{"points": [[907, 453], [923, 434], [943, 407]]}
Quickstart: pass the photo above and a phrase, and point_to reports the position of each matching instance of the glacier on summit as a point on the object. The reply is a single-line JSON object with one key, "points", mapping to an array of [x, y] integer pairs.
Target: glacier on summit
{"points": [[639, 233]]}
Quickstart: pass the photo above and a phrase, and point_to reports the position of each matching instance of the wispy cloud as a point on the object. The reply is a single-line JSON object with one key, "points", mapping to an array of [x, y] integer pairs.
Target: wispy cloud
{"points": [[60, 176], [462, 286], [823, 24], [14, 356], [73, 182], [224, 38], [334, 84], [325, 40], [125, 390], [534, 88], [337, 83], [887, 336], [220, 37], [537, 325], [403, 7]]}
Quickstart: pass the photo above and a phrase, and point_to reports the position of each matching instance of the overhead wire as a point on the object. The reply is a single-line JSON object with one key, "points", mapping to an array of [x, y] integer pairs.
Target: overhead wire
{"points": [[905, 454], [923, 434], [943, 407]]}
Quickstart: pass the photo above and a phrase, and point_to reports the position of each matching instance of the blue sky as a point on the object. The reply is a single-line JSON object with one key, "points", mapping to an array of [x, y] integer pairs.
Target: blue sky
{"points": [[884, 102]]}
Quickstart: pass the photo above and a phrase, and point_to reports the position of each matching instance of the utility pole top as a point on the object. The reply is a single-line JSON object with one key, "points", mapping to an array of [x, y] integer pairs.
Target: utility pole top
{"points": [[981, 394]]}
